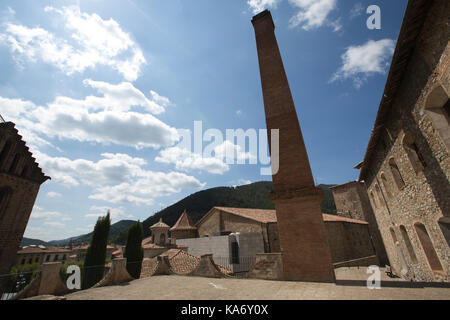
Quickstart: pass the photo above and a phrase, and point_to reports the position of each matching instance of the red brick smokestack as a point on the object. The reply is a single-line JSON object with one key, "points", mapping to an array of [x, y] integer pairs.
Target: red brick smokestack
{"points": [[305, 252]]}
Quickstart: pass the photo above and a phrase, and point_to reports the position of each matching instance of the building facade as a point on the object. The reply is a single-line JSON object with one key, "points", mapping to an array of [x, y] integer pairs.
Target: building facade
{"points": [[406, 168], [42, 254], [352, 202], [20, 180], [348, 239]]}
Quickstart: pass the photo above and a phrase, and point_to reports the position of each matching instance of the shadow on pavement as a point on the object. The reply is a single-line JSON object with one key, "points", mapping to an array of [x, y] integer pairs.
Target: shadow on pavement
{"points": [[394, 284]]}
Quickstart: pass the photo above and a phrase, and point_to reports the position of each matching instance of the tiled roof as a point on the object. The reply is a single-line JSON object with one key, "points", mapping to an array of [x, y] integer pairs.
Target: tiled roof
{"points": [[183, 223], [260, 215], [29, 249], [146, 241], [270, 216], [85, 247], [160, 224]]}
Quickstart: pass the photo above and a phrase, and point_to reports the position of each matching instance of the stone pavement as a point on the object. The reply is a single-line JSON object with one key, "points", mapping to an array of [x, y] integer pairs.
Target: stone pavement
{"points": [[351, 285]]}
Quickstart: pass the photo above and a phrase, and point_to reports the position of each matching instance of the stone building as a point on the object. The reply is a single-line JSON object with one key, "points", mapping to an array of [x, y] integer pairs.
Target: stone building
{"points": [[256, 231], [406, 167], [183, 228], [20, 180], [41, 254], [352, 201]]}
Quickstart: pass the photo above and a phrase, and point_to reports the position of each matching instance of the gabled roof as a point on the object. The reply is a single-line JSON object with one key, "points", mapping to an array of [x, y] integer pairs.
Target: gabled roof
{"points": [[160, 224], [183, 223], [17, 146], [270, 216]]}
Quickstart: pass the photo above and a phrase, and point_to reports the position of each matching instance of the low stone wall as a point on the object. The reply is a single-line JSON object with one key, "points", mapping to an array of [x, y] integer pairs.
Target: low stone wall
{"points": [[207, 268], [117, 274], [162, 267], [268, 266], [362, 262], [48, 282]]}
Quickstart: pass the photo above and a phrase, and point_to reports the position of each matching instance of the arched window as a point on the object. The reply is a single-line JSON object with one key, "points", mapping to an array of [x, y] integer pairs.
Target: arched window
{"points": [[5, 152], [437, 107], [5, 197], [374, 201], [444, 224], [379, 195], [428, 248], [396, 174], [414, 155], [15, 163], [409, 246], [386, 185], [404, 266], [162, 238], [394, 237]]}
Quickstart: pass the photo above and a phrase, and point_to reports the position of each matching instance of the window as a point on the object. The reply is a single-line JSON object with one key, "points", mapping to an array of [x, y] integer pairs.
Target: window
{"points": [[394, 237], [396, 174], [374, 201], [15, 163], [444, 224], [47, 259], [234, 252], [36, 260], [428, 248], [379, 195], [386, 186], [64, 257], [162, 238], [23, 261], [30, 261], [5, 196], [5, 152], [408, 244], [437, 108], [415, 157]]}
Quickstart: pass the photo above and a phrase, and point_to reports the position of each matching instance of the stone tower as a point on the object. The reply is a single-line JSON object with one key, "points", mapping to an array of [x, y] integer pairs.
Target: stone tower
{"points": [[183, 228], [305, 252], [160, 232], [20, 180]]}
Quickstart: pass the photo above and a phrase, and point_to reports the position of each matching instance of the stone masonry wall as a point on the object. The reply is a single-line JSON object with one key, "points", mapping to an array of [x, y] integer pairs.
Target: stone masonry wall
{"points": [[425, 196]]}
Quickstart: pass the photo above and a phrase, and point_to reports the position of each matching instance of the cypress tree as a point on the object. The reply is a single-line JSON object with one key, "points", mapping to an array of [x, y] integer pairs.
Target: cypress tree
{"points": [[133, 250], [94, 263]]}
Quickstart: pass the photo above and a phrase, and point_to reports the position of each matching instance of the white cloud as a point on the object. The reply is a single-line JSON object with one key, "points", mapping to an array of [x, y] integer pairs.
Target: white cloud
{"points": [[113, 117], [259, 5], [44, 215], [53, 194], [357, 10], [55, 224], [312, 13], [92, 41], [116, 178], [360, 62], [239, 113], [224, 153], [116, 214], [185, 160]]}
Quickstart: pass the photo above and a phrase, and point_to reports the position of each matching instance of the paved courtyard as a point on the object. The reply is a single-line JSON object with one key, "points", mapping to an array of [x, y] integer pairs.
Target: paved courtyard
{"points": [[351, 284]]}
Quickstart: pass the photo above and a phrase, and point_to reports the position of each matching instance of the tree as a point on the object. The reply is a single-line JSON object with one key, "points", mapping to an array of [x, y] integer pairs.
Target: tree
{"points": [[94, 263], [133, 250]]}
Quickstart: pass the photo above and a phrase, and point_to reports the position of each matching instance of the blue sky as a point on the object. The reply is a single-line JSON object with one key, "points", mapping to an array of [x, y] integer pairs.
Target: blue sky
{"points": [[101, 91]]}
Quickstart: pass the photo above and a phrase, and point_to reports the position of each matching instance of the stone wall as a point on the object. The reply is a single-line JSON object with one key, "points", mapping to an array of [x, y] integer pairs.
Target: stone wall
{"points": [[418, 192], [348, 241], [353, 202]]}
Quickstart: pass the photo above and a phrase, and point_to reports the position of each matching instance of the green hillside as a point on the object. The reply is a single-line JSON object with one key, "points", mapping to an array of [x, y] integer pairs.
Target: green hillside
{"points": [[115, 229], [198, 204]]}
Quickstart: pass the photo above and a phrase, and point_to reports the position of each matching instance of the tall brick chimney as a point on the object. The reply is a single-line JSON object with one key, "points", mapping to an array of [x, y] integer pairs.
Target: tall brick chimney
{"points": [[305, 252]]}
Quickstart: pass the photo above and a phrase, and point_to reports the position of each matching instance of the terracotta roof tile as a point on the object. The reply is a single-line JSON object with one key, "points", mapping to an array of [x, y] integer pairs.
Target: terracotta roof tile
{"points": [[183, 223], [160, 224], [269, 216]]}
